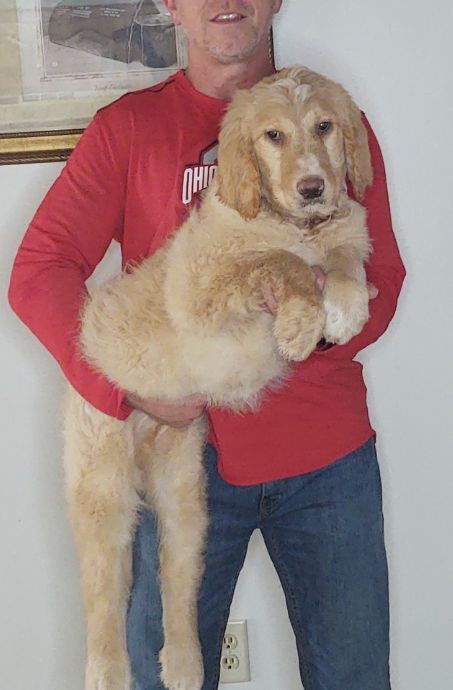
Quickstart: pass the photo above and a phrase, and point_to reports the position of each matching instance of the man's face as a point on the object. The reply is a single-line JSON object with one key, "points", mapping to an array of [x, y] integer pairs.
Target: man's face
{"points": [[228, 30]]}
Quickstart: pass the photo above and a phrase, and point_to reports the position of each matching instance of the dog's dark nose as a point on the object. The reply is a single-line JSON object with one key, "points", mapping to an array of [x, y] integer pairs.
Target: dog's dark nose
{"points": [[311, 187]]}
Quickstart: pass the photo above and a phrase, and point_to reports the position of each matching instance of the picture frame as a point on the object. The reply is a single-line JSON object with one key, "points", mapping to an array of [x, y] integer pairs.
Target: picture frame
{"points": [[61, 60], [38, 147]]}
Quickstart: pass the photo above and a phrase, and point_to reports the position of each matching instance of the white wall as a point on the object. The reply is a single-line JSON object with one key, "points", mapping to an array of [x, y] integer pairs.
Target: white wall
{"points": [[396, 60]]}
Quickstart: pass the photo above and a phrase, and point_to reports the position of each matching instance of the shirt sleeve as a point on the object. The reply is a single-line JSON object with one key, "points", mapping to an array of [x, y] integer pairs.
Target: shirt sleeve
{"points": [[67, 238], [385, 268]]}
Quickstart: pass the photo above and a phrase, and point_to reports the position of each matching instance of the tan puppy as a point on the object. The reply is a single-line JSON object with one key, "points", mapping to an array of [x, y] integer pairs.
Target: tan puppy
{"points": [[190, 320]]}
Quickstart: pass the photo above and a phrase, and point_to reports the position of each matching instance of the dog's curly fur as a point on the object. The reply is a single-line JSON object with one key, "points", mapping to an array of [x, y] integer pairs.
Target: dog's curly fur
{"points": [[190, 319]]}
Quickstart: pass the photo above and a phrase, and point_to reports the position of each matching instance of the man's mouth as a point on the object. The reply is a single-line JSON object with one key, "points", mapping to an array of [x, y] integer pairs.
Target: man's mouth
{"points": [[227, 18]]}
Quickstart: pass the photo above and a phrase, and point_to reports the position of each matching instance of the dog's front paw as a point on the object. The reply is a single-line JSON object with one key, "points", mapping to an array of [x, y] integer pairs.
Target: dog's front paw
{"points": [[182, 666], [108, 674], [346, 307], [299, 326]]}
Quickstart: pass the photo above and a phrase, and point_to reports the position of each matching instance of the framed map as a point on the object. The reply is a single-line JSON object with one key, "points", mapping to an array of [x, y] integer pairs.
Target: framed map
{"points": [[61, 60]]}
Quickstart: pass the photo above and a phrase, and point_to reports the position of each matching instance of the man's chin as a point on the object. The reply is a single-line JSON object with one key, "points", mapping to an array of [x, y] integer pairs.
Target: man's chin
{"points": [[233, 54]]}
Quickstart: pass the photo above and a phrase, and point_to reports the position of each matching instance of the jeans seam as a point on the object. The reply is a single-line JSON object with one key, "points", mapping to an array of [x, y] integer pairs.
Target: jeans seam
{"points": [[220, 638], [283, 574]]}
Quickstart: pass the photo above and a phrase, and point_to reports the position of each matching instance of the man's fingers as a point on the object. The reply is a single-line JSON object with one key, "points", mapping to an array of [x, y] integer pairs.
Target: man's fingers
{"points": [[372, 290], [320, 277], [270, 303], [177, 413], [181, 414], [191, 401], [176, 423], [196, 400], [180, 417]]}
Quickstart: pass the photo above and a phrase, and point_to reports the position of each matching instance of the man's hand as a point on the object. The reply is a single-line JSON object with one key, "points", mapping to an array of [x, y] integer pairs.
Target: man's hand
{"points": [[178, 413], [270, 302], [320, 277]]}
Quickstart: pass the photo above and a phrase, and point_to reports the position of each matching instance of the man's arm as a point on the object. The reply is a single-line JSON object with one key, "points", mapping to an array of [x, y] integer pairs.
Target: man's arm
{"points": [[67, 238], [385, 269]]}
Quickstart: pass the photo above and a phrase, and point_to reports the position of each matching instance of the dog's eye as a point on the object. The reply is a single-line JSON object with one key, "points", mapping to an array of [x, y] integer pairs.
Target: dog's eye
{"points": [[275, 136], [323, 127]]}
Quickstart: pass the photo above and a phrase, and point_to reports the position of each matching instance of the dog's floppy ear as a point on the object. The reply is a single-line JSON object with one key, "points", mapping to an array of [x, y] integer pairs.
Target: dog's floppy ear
{"points": [[239, 180], [357, 152]]}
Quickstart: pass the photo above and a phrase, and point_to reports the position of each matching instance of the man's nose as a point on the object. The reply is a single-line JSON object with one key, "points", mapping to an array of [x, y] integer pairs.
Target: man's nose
{"points": [[310, 187]]}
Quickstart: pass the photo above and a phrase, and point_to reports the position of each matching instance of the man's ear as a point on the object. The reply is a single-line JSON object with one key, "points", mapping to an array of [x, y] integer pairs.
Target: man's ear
{"points": [[172, 8]]}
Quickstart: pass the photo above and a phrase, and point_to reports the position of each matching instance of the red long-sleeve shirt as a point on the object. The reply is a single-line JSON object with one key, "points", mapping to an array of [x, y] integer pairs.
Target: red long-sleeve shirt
{"points": [[133, 176]]}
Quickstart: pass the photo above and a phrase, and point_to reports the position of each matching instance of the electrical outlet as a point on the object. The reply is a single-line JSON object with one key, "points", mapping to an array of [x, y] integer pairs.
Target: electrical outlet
{"points": [[234, 662]]}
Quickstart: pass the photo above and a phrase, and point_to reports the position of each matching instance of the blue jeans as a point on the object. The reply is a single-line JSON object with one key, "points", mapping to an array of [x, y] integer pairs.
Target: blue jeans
{"points": [[324, 533]]}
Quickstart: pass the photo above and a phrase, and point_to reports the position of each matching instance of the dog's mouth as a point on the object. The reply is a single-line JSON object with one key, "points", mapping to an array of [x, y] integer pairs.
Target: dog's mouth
{"points": [[316, 209], [313, 223], [308, 204], [309, 216]]}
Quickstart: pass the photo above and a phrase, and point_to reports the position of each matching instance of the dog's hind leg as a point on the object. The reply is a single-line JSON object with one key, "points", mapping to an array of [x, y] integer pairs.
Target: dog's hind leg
{"points": [[177, 492], [102, 508]]}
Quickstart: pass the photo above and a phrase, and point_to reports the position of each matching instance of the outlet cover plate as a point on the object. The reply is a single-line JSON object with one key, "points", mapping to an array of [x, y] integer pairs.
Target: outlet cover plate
{"points": [[234, 662]]}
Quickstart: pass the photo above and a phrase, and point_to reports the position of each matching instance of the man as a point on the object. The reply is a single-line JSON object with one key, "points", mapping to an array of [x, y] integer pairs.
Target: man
{"points": [[303, 468]]}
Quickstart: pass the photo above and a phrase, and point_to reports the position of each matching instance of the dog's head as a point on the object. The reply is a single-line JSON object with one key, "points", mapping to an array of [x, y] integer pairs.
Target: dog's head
{"points": [[290, 140]]}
